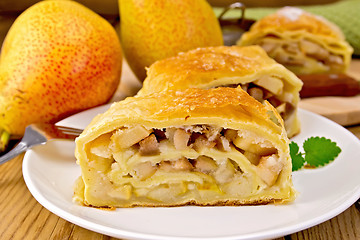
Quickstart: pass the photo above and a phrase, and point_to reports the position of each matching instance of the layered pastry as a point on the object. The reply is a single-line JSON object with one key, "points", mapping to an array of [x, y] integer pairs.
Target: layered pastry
{"points": [[248, 67], [303, 42], [193, 147]]}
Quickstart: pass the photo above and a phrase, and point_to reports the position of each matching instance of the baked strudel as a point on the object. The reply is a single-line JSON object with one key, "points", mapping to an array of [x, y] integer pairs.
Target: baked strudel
{"points": [[249, 67], [302, 42], [192, 147]]}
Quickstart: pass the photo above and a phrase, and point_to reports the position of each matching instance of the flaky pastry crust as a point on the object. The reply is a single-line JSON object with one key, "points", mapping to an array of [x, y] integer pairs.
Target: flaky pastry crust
{"points": [[233, 66], [325, 48], [102, 185]]}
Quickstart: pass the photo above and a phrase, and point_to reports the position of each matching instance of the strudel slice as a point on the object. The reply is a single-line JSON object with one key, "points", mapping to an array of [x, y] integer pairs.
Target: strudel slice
{"points": [[249, 67], [193, 147], [302, 42]]}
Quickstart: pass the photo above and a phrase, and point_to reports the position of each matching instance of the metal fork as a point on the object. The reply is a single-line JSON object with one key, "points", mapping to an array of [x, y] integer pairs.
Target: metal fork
{"points": [[40, 133]]}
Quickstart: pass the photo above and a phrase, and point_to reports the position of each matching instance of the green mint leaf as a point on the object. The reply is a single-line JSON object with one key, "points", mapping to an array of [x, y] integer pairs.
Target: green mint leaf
{"points": [[296, 157], [320, 151]]}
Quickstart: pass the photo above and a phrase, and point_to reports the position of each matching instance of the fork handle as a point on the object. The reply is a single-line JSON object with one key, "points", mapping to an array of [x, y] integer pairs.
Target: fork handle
{"points": [[20, 148]]}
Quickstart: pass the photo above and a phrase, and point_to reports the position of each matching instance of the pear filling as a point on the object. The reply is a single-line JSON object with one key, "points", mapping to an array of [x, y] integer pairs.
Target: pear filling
{"points": [[269, 88], [295, 53], [193, 159]]}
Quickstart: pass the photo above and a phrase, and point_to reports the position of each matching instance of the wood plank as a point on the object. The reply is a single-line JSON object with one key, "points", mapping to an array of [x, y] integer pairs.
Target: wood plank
{"points": [[80, 233], [61, 229]]}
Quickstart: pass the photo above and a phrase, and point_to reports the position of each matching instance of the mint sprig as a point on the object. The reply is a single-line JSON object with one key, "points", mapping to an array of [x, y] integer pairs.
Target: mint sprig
{"points": [[319, 151], [297, 159]]}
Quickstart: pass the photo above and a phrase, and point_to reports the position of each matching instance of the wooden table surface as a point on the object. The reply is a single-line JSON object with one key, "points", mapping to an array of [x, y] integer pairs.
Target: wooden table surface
{"points": [[22, 217]]}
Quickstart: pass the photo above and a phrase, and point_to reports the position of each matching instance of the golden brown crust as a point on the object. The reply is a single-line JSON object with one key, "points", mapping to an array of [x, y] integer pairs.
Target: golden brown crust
{"points": [[223, 66], [180, 107], [295, 19], [194, 203], [214, 66]]}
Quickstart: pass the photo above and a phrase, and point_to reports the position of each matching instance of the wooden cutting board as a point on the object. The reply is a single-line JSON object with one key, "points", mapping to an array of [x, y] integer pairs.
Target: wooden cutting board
{"points": [[343, 110]]}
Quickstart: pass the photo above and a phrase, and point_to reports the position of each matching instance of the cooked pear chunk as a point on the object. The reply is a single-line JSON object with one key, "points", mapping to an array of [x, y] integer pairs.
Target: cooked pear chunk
{"points": [[272, 84], [125, 138]]}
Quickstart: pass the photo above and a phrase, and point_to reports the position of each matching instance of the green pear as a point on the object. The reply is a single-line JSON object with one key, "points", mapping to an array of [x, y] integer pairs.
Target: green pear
{"points": [[151, 30]]}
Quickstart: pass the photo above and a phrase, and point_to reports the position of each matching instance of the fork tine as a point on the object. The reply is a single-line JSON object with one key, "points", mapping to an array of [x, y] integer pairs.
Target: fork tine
{"points": [[55, 132], [40, 133], [69, 130]]}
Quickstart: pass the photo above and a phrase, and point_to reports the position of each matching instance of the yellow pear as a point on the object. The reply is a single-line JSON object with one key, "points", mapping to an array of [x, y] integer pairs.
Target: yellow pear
{"points": [[151, 30], [57, 59]]}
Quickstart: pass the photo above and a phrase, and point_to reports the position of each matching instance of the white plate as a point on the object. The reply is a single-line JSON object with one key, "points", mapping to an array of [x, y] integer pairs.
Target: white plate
{"points": [[50, 171]]}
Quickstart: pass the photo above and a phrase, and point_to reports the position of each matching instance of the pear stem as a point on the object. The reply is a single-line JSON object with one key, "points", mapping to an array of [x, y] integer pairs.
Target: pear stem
{"points": [[4, 140]]}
